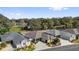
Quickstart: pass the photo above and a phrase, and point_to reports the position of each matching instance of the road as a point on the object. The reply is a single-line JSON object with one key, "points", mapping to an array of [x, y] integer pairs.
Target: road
{"points": [[64, 48]]}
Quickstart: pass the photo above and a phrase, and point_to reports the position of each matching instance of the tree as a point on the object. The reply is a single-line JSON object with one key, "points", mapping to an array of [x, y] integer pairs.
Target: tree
{"points": [[44, 24], [50, 23], [3, 30], [4, 24]]}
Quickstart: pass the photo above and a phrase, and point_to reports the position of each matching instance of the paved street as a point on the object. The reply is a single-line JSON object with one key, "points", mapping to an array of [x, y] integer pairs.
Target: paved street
{"points": [[64, 48]]}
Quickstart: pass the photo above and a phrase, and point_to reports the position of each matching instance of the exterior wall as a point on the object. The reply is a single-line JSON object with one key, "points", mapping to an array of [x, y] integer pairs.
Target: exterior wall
{"points": [[47, 36], [67, 36], [73, 37], [44, 37], [19, 46], [57, 32], [54, 32], [28, 43], [23, 43]]}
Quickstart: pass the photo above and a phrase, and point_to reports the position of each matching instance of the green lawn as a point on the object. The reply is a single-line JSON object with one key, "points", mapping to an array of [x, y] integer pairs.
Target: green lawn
{"points": [[3, 45], [76, 41], [15, 29]]}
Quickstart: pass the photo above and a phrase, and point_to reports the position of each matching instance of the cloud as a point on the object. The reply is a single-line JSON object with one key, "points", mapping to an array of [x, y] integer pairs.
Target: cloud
{"points": [[17, 15], [58, 8]]}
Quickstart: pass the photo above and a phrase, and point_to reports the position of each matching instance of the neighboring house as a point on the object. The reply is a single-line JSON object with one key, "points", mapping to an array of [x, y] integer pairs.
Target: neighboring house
{"points": [[65, 34], [68, 34], [72, 31], [54, 32], [33, 35], [17, 40], [46, 36], [76, 31]]}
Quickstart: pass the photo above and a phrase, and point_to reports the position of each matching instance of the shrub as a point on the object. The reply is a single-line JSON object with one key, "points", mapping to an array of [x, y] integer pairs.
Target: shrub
{"points": [[31, 47], [3, 30], [54, 42], [3, 45]]}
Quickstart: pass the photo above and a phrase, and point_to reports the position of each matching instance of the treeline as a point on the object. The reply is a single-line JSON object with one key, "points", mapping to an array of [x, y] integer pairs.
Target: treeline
{"points": [[4, 24], [38, 23], [48, 23]]}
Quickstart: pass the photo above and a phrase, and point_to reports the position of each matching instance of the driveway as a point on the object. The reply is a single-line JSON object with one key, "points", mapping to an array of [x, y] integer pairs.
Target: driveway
{"points": [[65, 46], [65, 42], [40, 46]]}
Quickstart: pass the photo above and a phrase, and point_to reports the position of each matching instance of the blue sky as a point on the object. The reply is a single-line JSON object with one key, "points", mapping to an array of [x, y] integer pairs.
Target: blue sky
{"points": [[38, 12]]}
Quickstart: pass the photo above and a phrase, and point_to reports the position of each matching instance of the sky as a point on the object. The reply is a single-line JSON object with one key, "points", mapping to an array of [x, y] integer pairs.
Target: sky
{"points": [[38, 12]]}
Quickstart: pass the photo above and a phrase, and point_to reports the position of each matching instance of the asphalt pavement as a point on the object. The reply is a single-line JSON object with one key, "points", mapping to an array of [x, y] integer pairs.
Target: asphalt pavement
{"points": [[64, 48]]}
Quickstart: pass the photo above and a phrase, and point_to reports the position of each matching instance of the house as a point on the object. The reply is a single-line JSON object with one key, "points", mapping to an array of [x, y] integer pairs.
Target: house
{"points": [[54, 32], [17, 40], [77, 33], [31, 34], [46, 36], [68, 34], [34, 36], [50, 34], [73, 31]]}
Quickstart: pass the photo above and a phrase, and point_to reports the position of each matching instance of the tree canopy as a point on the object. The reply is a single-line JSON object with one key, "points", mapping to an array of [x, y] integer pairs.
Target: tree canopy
{"points": [[38, 23]]}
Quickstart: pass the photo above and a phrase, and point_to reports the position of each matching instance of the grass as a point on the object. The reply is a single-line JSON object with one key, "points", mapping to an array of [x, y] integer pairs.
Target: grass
{"points": [[15, 29], [52, 42], [2, 45], [75, 41], [31, 47]]}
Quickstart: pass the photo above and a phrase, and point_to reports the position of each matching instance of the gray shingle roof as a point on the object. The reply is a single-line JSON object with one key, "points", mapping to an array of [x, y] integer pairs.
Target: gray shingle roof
{"points": [[50, 32], [18, 38], [48, 35], [15, 37], [31, 34], [70, 31], [6, 37], [78, 31]]}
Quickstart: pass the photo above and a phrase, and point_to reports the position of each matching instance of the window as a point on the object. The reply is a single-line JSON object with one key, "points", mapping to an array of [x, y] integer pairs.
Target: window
{"points": [[24, 43]]}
